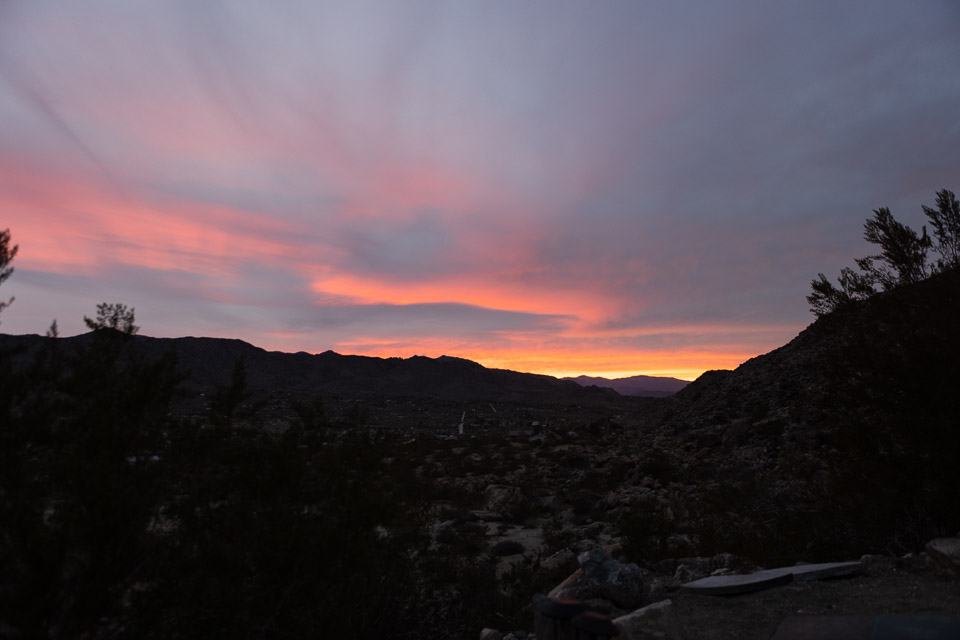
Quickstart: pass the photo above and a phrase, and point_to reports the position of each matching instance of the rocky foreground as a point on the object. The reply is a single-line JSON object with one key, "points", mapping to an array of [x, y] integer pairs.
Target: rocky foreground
{"points": [[839, 444], [918, 592], [590, 519]]}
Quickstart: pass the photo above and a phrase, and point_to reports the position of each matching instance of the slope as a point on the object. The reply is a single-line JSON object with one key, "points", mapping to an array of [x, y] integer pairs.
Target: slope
{"points": [[846, 437]]}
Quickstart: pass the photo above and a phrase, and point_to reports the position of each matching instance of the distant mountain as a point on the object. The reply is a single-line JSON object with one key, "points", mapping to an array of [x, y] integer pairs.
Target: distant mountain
{"points": [[646, 386], [210, 362]]}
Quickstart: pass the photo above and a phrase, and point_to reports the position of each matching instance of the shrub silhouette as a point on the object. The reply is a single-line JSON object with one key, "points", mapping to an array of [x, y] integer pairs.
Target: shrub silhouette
{"points": [[83, 425], [113, 316], [7, 254], [902, 258], [117, 517]]}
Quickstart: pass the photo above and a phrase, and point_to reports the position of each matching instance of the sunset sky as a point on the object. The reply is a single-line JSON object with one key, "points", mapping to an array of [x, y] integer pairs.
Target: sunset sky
{"points": [[598, 187]]}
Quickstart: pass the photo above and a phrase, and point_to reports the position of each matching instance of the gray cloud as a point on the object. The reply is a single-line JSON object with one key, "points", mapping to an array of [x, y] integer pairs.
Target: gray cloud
{"points": [[434, 320], [692, 165]]}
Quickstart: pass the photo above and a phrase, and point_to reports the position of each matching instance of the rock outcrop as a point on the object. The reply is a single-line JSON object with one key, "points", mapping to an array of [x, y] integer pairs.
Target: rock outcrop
{"points": [[600, 577], [944, 554]]}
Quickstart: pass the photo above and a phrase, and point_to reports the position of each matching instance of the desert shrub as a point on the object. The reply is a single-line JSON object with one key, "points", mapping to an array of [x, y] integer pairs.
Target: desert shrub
{"points": [[270, 536], [597, 480], [460, 496], [463, 539], [85, 425], [645, 528], [507, 548], [524, 510], [311, 415], [285, 541], [555, 537], [584, 501], [658, 464], [576, 460], [459, 593], [472, 597]]}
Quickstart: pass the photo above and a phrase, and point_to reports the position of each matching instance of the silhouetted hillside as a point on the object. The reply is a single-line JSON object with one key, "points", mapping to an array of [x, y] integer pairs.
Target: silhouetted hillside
{"points": [[647, 386], [848, 434], [209, 362]]}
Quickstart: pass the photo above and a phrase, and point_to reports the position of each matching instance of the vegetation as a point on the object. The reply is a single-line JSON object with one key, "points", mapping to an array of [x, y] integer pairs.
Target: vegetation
{"points": [[228, 401], [120, 519], [7, 254], [113, 316], [902, 258]]}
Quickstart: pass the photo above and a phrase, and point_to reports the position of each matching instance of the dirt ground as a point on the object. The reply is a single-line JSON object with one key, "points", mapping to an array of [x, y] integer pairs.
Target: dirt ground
{"points": [[887, 586]]}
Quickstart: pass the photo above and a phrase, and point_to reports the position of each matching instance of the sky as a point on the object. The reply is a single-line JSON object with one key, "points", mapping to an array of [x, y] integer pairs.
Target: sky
{"points": [[605, 188]]}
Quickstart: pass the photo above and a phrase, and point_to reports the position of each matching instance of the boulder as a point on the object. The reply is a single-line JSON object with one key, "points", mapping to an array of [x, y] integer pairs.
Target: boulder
{"points": [[944, 556], [654, 621], [570, 582], [876, 565], [658, 587], [559, 560], [490, 634], [600, 576]]}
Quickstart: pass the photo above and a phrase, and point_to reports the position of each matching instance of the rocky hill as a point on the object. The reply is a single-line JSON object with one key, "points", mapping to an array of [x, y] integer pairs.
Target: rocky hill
{"points": [[841, 443], [847, 436]]}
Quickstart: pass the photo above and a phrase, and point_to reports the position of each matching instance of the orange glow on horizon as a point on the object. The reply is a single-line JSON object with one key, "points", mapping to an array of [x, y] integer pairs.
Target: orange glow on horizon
{"points": [[685, 364]]}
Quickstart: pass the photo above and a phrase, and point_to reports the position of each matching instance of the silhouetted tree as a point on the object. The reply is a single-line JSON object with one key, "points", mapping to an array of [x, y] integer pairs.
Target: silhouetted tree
{"points": [[227, 400], [903, 255], [79, 484], [113, 316], [853, 286], [902, 258], [825, 296], [6, 256], [945, 220]]}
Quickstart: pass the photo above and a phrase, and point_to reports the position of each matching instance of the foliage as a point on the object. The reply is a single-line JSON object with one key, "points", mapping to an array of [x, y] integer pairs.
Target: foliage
{"points": [[111, 510], [902, 258], [903, 255], [228, 402], [7, 254], [275, 538], [312, 415], [113, 316], [78, 490], [945, 220], [117, 518]]}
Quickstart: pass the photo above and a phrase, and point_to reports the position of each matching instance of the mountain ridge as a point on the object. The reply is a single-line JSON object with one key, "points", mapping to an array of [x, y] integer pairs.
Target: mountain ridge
{"points": [[640, 385], [209, 362]]}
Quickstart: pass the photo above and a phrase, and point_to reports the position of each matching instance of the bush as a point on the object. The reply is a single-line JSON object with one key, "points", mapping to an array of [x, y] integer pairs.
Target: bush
{"points": [[507, 548]]}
